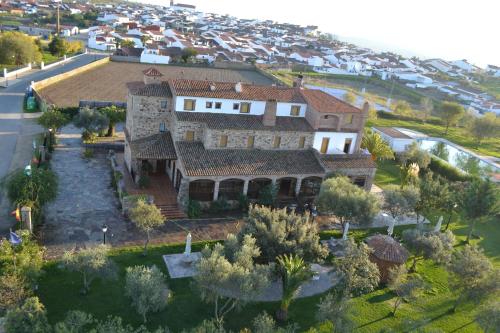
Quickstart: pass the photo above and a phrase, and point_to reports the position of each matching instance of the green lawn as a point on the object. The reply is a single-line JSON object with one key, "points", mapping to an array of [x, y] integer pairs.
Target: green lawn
{"points": [[387, 173], [59, 291], [460, 136], [48, 58]]}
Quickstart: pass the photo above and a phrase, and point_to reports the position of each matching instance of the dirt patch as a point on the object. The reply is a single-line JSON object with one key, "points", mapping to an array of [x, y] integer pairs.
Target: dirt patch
{"points": [[108, 82]]}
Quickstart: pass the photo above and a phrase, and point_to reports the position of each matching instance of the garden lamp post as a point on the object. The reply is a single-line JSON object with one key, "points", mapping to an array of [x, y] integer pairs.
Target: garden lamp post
{"points": [[104, 230]]}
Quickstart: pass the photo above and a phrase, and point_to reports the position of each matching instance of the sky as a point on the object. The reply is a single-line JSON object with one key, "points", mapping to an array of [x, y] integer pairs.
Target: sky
{"points": [[449, 29]]}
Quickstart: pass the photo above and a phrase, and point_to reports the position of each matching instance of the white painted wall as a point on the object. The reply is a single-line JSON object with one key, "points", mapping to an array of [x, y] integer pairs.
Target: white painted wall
{"points": [[337, 141], [153, 58], [257, 108]]}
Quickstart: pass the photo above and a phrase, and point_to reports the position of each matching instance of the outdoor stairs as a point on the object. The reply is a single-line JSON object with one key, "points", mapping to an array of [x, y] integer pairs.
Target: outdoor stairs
{"points": [[171, 211]]}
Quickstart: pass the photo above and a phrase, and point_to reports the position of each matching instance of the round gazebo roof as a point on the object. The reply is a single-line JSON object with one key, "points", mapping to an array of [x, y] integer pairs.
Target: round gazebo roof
{"points": [[387, 248], [151, 71]]}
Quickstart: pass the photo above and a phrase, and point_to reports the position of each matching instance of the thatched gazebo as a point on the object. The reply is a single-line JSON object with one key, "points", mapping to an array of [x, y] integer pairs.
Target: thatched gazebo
{"points": [[387, 253]]}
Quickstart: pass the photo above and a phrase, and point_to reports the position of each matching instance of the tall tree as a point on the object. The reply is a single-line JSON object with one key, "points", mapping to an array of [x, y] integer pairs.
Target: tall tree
{"points": [[147, 288], [415, 154], [91, 263], [127, 43], [53, 119], [278, 232], [400, 201], [472, 276], [407, 288], [480, 199], [75, 322], [487, 126], [426, 107], [431, 195], [13, 291], [451, 112], [58, 46], [428, 245], [229, 279], [348, 202], [146, 217], [188, 53], [294, 271], [31, 317], [378, 147], [359, 274], [403, 108], [115, 115], [264, 323], [91, 120], [17, 48]]}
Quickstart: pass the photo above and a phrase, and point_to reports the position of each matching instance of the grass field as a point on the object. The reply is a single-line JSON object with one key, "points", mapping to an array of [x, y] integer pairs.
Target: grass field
{"points": [[59, 291], [458, 135]]}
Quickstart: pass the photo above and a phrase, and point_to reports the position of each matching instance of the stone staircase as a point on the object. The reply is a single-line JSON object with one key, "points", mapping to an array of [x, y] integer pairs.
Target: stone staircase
{"points": [[171, 211]]}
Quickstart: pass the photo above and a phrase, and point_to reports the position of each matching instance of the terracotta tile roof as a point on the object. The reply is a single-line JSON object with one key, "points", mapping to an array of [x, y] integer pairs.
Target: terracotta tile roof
{"points": [[157, 146], [199, 161], [387, 248], [245, 122], [325, 103], [392, 132], [158, 89], [227, 90], [151, 71], [334, 162]]}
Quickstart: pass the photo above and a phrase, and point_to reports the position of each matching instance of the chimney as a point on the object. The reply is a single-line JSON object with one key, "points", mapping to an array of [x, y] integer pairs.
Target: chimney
{"points": [[269, 118], [152, 75], [212, 86], [299, 82], [238, 87]]}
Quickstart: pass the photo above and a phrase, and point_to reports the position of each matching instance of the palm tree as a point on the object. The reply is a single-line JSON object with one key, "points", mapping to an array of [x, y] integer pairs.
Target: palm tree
{"points": [[294, 271], [376, 146]]}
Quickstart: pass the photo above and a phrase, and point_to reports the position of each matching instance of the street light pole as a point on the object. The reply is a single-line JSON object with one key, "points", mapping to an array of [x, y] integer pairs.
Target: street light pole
{"points": [[104, 230]]}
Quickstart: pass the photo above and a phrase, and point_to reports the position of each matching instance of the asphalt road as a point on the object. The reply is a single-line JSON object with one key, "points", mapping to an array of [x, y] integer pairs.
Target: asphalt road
{"points": [[13, 126]]}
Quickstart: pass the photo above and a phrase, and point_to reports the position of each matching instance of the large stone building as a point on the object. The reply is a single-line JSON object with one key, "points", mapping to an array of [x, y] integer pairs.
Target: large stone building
{"points": [[219, 139]]}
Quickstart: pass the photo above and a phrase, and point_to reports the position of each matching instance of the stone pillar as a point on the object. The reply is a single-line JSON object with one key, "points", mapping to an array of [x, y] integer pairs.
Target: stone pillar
{"points": [[216, 190], [245, 187], [273, 181], [5, 73], [298, 185], [42, 65], [26, 218]]}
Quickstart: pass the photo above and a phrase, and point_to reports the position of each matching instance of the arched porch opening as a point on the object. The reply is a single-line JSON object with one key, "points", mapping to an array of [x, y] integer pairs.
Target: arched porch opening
{"points": [[286, 187], [231, 189], [310, 186], [201, 190], [255, 186]]}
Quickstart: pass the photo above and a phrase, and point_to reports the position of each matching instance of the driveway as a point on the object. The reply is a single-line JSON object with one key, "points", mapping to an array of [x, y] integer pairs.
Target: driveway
{"points": [[17, 129]]}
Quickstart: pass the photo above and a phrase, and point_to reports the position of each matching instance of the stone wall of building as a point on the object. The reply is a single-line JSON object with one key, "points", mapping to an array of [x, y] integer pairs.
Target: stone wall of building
{"points": [[146, 116], [180, 128], [262, 139]]}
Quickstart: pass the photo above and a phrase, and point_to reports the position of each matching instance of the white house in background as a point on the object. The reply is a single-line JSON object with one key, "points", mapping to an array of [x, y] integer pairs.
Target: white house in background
{"points": [[112, 17], [440, 65], [493, 70], [420, 80], [464, 65], [397, 140], [316, 61], [102, 42], [154, 56]]}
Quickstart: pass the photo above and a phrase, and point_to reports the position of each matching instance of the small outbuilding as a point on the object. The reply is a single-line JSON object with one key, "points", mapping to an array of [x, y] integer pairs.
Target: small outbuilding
{"points": [[387, 253], [397, 140]]}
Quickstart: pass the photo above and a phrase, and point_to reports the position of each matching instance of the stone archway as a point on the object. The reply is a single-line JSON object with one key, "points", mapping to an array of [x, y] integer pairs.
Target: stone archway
{"points": [[255, 186], [231, 189], [201, 190]]}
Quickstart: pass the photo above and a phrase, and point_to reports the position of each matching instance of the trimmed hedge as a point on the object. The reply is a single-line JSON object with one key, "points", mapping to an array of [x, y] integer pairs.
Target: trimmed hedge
{"points": [[70, 111], [448, 171], [390, 115]]}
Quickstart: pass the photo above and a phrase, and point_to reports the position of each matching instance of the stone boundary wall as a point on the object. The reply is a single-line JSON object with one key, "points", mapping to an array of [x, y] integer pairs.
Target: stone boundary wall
{"points": [[7, 74], [44, 103], [125, 59], [62, 61]]}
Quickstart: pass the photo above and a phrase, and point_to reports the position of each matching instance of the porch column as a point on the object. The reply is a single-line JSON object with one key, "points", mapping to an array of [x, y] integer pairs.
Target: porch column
{"points": [[245, 186], [216, 190], [298, 185], [273, 181]]}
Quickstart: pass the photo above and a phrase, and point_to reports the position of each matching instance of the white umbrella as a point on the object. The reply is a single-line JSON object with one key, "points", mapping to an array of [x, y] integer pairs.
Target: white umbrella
{"points": [[187, 251], [437, 228], [346, 230]]}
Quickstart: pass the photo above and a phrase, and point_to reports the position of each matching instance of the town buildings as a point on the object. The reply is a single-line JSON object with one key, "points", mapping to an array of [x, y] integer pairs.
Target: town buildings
{"points": [[222, 140]]}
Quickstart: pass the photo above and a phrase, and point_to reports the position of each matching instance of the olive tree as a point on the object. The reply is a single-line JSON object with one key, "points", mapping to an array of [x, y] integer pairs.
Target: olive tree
{"points": [[91, 263], [13, 291], [407, 288], [480, 199], [114, 115], [472, 275], [415, 154], [31, 317], [146, 217], [484, 127], [264, 323], [346, 201], [53, 119], [432, 195], [488, 317], [229, 278], [400, 201], [336, 308], [75, 322], [359, 274], [450, 112], [278, 232], [92, 121], [428, 245], [147, 288], [17, 48]]}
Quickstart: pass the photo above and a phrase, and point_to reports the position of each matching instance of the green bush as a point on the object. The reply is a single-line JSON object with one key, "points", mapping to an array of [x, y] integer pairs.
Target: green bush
{"points": [[267, 195], [89, 137], [448, 171], [88, 153], [144, 181], [33, 191], [243, 202], [69, 111], [115, 178], [193, 209], [219, 205]]}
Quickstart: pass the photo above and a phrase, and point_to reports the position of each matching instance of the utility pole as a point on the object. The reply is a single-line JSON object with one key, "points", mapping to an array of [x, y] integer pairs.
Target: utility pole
{"points": [[58, 26]]}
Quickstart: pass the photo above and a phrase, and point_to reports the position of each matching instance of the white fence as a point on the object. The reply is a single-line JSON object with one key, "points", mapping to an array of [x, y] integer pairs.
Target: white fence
{"points": [[7, 74], [65, 59]]}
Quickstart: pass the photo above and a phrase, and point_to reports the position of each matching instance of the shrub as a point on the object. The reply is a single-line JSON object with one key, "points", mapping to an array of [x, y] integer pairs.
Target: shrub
{"points": [[243, 202], [218, 206], [89, 137], [144, 181], [88, 153], [267, 195], [447, 170], [70, 111], [193, 209]]}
